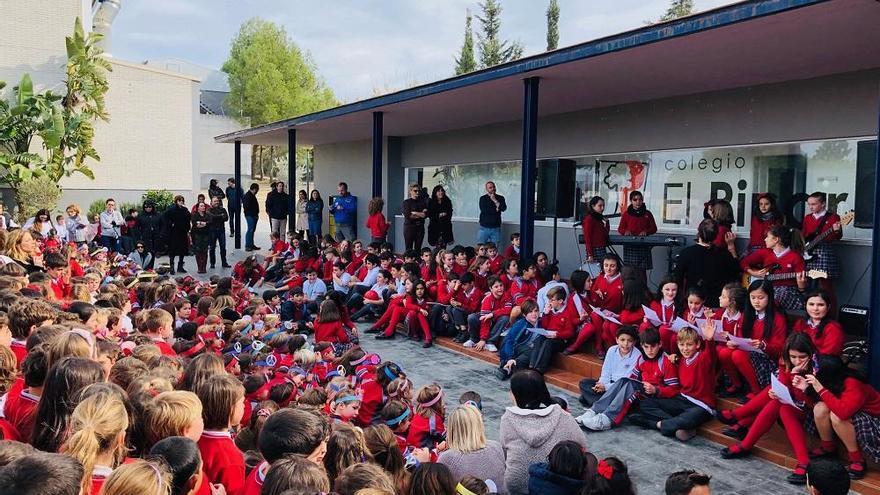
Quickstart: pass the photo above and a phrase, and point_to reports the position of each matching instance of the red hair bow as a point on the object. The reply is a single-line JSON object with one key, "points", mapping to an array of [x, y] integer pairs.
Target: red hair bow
{"points": [[605, 470]]}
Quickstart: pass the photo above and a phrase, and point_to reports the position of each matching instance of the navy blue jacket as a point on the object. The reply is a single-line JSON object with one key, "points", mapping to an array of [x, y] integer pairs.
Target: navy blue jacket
{"points": [[542, 481]]}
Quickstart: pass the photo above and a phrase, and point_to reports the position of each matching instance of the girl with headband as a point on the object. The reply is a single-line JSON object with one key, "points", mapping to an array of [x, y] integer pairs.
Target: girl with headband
{"points": [[345, 406], [427, 429]]}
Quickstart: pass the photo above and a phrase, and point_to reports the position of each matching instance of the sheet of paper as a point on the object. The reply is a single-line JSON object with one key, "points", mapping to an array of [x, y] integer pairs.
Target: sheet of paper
{"points": [[539, 331], [719, 330], [651, 315], [606, 315], [743, 344], [782, 391], [678, 324]]}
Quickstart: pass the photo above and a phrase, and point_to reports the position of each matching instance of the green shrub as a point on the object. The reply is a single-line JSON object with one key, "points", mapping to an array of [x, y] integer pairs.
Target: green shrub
{"points": [[163, 198], [36, 193], [97, 207]]}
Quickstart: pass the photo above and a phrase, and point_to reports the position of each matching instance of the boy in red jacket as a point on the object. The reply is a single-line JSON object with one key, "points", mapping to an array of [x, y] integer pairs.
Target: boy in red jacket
{"points": [[512, 251], [679, 416], [486, 326], [465, 302], [222, 398]]}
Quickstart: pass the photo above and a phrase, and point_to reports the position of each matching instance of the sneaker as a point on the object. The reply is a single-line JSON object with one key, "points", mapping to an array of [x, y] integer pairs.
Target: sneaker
{"points": [[685, 435], [798, 476], [491, 348], [385, 337], [599, 422], [856, 470], [588, 414], [469, 343], [373, 330]]}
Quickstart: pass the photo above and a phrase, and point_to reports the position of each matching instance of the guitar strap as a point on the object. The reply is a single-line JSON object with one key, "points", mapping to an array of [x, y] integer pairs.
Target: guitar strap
{"points": [[819, 227]]}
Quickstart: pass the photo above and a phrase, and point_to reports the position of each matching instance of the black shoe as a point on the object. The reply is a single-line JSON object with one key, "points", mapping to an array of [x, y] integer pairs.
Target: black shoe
{"points": [[738, 433], [427, 344], [248, 248], [212, 267], [373, 330], [232, 234], [226, 265], [640, 420], [172, 271], [181, 269], [798, 476], [256, 248], [385, 337], [728, 420], [501, 374], [735, 452]]}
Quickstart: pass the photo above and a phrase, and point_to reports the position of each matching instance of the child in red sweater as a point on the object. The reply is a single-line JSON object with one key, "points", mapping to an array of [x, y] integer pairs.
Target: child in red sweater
{"points": [[826, 333], [679, 416], [512, 251], [427, 428], [559, 320], [732, 305], [158, 324], [486, 326], [465, 302], [495, 260], [780, 262], [328, 325], [376, 221], [636, 220], [345, 406], [222, 398], [607, 294], [632, 312], [595, 229], [667, 308]]}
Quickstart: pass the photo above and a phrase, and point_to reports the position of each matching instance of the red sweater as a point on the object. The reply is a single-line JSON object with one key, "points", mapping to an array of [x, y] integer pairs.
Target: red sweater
{"points": [[444, 295], [660, 373], [164, 347], [422, 435], [330, 331], [511, 253], [372, 400], [635, 225], [831, 341], [759, 230], [497, 307], [223, 462], [563, 322], [377, 224], [8, 431], [777, 337], [254, 482], [811, 224], [856, 396], [470, 301], [697, 375], [732, 325], [666, 313], [19, 348], [21, 409], [521, 289], [495, 264], [608, 294], [789, 262], [595, 233]]}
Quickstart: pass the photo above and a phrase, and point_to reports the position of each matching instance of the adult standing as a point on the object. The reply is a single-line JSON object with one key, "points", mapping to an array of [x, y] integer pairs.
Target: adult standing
{"points": [[200, 231], [344, 210], [314, 209], [214, 191], [492, 205], [276, 207], [111, 226], [415, 211], [302, 217], [531, 428], [219, 216], [251, 210], [150, 227], [177, 224], [705, 265], [440, 214], [75, 225], [234, 194]]}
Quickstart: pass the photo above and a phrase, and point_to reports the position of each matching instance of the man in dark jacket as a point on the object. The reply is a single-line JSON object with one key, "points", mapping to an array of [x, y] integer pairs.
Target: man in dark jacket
{"points": [[177, 225], [251, 210], [234, 194], [219, 215], [277, 208], [149, 228]]}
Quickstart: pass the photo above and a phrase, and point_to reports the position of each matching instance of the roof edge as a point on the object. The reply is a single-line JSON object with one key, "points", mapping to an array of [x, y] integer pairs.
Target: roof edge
{"points": [[696, 23]]}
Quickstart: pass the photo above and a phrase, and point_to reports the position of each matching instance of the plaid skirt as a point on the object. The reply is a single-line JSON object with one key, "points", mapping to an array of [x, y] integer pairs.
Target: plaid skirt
{"points": [[763, 366], [788, 297], [867, 432], [638, 256], [825, 259]]}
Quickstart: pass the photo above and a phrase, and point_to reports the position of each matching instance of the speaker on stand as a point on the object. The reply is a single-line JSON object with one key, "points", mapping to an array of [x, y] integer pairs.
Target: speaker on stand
{"points": [[556, 192]]}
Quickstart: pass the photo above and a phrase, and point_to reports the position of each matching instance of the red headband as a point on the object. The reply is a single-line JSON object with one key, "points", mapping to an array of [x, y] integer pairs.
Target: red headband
{"points": [[194, 349]]}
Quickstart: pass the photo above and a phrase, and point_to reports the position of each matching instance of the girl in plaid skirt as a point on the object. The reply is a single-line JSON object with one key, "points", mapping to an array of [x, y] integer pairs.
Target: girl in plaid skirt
{"points": [[596, 228], [845, 406]]}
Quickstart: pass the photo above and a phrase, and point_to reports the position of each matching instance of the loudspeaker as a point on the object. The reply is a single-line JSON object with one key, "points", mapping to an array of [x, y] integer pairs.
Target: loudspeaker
{"points": [[854, 320], [866, 159], [556, 188]]}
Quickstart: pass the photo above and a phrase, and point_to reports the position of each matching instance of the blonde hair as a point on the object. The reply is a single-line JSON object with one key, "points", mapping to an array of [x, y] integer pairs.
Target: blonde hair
{"points": [[146, 352], [137, 478], [688, 335], [305, 358], [73, 206], [69, 344], [80, 292], [170, 414], [154, 320], [465, 431], [13, 244], [8, 367], [220, 303], [426, 394], [95, 428]]}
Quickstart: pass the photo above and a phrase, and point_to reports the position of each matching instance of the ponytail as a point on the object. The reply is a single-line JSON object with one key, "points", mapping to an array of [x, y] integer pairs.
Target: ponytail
{"points": [[94, 427]]}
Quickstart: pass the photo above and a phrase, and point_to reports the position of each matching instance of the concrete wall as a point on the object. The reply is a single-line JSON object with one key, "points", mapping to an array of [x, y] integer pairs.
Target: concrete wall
{"points": [[836, 106], [347, 162], [217, 160]]}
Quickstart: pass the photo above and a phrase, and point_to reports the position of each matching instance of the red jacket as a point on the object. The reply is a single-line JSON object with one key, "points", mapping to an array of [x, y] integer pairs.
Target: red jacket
{"points": [[697, 375], [789, 262], [660, 373], [497, 307], [856, 396], [330, 331], [495, 264], [636, 225], [425, 432], [666, 313], [521, 289], [19, 348], [470, 301], [719, 239], [732, 325], [759, 230], [223, 462], [444, 295], [372, 400], [254, 482], [776, 342], [21, 409], [831, 341], [595, 233], [377, 224], [608, 294], [563, 322], [510, 253]]}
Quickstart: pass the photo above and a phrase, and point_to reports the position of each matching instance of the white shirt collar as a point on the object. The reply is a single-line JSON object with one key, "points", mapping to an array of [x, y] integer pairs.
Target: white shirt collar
{"points": [[760, 315], [820, 214]]}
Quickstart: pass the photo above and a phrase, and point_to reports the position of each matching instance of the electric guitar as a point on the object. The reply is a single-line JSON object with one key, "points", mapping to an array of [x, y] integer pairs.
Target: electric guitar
{"points": [[811, 246], [811, 274]]}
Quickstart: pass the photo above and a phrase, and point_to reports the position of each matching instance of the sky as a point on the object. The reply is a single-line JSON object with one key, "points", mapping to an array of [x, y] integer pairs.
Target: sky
{"points": [[364, 47]]}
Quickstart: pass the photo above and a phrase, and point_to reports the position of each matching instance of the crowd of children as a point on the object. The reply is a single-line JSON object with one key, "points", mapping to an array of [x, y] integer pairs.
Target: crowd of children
{"points": [[127, 381]]}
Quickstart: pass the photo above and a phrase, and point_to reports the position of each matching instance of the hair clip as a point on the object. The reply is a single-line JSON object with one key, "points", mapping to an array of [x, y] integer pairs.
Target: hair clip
{"points": [[605, 470]]}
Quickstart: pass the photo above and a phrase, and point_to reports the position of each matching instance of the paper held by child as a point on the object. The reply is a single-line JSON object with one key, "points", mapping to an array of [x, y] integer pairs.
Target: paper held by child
{"points": [[743, 344], [651, 316], [607, 315], [783, 395], [719, 329], [542, 332]]}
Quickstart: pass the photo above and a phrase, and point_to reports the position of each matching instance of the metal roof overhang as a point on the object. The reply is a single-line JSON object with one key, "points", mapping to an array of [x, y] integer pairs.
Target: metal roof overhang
{"points": [[740, 45]]}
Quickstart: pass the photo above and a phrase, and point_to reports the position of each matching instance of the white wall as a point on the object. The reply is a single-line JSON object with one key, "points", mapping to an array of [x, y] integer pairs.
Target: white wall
{"points": [[351, 163], [217, 160]]}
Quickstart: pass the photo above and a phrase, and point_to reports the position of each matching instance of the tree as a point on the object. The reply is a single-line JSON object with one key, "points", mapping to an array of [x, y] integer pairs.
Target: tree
{"points": [[678, 8], [466, 62], [271, 79], [552, 25], [64, 124], [494, 50]]}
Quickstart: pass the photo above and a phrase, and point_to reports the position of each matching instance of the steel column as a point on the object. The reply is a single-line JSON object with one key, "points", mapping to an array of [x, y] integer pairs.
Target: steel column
{"points": [[291, 180], [378, 135], [237, 206], [529, 167], [874, 311]]}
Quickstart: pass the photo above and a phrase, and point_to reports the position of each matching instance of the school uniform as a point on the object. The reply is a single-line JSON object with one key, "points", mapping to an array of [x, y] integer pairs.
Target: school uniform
{"points": [[511, 253], [666, 311], [785, 291], [495, 263], [521, 290], [859, 402], [618, 399], [614, 368], [595, 230], [19, 348], [21, 409], [824, 257], [563, 323], [372, 400], [636, 221], [164, 347], [426, 432], [330, 331], [830, 342], [481, 281], [760, 227], [253, 485], [490, 329], [99, 476], [223, 462], [608, 292]]}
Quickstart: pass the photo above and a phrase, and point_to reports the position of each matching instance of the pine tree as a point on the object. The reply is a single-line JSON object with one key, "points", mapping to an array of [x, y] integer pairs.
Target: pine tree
{"points": [[552, 25], [494, 50], [466, 62], [678, 8]]}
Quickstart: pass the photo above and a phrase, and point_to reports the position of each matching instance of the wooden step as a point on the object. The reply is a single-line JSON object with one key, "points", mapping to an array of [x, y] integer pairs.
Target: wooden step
{"points": [[567, 371]]}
